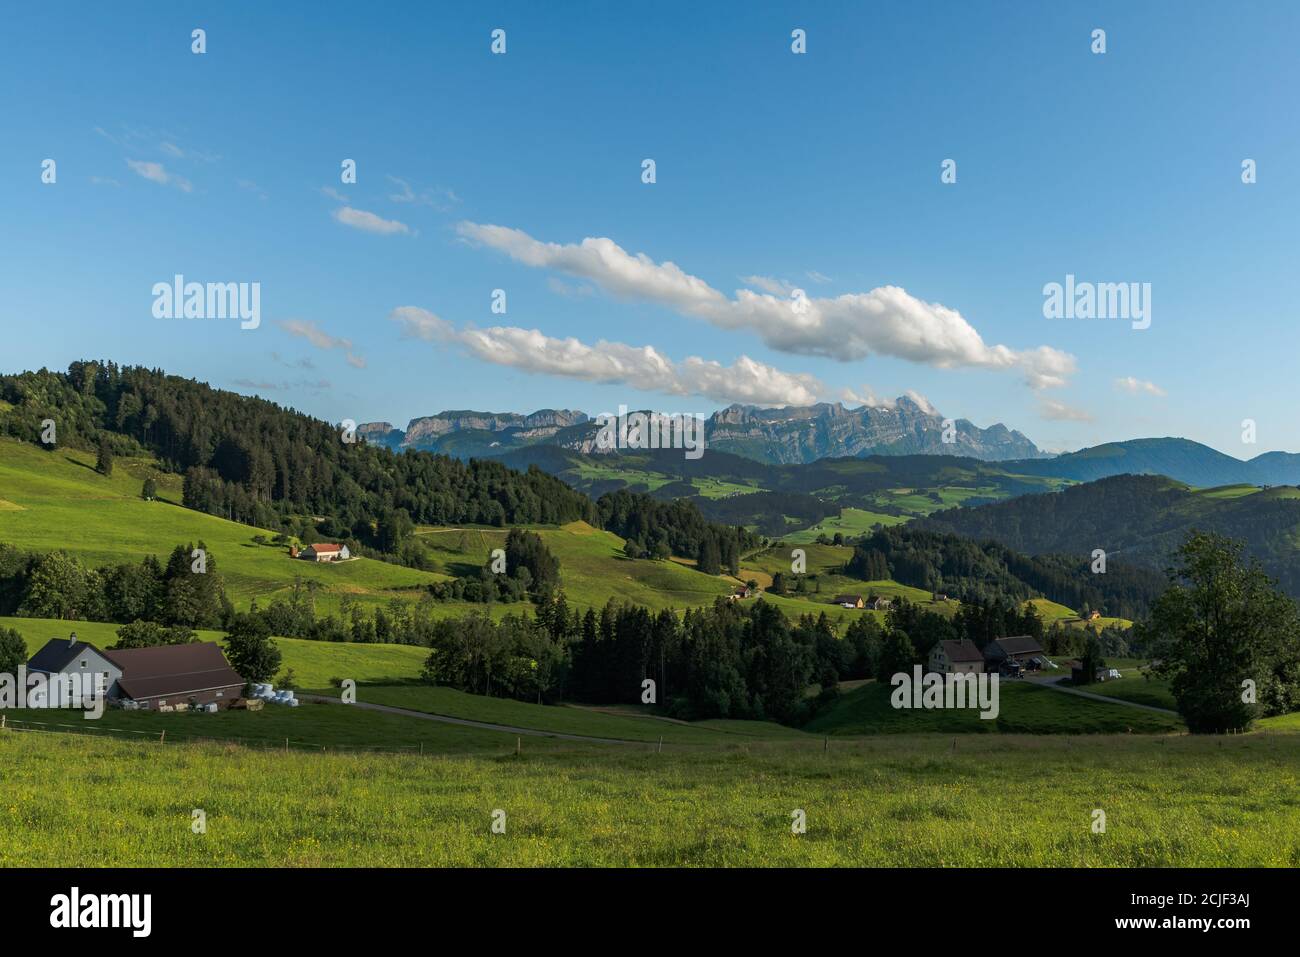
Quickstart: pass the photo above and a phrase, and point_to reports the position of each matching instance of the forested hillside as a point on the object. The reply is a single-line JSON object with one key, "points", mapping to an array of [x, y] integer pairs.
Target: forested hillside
{"points": [[985, 571], [251, 461], [1138, 520]]}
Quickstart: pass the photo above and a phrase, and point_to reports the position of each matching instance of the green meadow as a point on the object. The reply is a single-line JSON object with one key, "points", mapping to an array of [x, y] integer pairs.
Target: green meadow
{"points": [[593, 568], [1023, 708], [994, 800]]}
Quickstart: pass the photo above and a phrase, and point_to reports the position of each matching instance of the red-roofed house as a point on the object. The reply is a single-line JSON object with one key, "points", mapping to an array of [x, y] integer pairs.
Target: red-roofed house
{"points": [[323, 552]]}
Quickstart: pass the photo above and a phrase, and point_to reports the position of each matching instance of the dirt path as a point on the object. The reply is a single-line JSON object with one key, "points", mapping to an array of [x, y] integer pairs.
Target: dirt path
{"points": [[1055, 686]]}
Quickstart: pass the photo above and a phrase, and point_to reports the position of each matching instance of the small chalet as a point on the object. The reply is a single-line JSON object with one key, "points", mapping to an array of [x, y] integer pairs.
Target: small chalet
{"points": [[1014, 653], [880, 604], [956, 657], [323, 552], [744, 591], [848, 601]]}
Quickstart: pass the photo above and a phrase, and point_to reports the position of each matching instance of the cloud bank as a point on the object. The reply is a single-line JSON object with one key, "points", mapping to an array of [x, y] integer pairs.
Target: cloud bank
{"points": [[639, 367], [885, 321]]}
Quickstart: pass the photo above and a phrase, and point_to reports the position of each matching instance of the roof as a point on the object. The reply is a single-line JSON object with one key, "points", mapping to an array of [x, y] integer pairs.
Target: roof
{"points": [[324, 547], [55, 655], [840, 599], [1019, 645], [959, 651], [173, 669]]}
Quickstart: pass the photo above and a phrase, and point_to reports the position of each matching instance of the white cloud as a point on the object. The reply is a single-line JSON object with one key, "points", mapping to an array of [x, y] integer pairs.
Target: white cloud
{"points": [[369, 222], [250, 186], [640, 367], [884, 321], [922, 402], [777, 287], [1060, 412], [815, 276], [285, 385], [318, 337], [866, 396], [439, 198], [157, 173], [562, 288], [1138, 386]]}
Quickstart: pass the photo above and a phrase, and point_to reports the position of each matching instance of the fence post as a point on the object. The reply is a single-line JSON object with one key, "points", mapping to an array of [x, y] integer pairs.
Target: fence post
{"points": [[162, 735]]}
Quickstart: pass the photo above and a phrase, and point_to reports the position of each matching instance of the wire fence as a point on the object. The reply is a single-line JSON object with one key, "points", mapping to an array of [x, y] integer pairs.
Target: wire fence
{"points": [[8, 723]]}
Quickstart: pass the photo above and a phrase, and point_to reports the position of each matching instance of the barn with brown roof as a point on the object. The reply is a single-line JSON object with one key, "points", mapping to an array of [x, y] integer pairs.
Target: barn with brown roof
{"points": [[1018, 651], [194, 674]]}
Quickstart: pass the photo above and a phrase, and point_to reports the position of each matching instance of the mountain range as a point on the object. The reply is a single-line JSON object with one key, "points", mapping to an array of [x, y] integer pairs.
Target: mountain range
{"points": [[786, 436], [803, 435]]}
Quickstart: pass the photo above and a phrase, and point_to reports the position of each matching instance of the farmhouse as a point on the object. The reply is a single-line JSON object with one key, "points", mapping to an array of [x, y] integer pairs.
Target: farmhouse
{"points": [[70, 656], [323, 552], [880, 604], [848, 601], [162, 676], [956, 657], [740, 593], [1014, 653]]}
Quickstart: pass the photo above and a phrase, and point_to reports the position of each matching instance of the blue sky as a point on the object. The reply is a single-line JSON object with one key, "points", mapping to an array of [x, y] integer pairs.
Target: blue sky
{"points": [[774, 170]]}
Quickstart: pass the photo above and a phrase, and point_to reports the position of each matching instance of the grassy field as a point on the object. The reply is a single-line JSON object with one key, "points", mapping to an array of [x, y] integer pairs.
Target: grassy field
{"points": [[61, 502], [889, 801], [593, 568], [1135, 685], [850, 521], [1024, 708], [824, 561], [626, 725], [311, 727]]}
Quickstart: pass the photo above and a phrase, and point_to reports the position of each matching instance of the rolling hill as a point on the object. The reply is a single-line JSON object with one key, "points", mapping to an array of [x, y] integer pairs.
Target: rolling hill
{"points": [[1180, 459], [1139, 519], [57, 501]]}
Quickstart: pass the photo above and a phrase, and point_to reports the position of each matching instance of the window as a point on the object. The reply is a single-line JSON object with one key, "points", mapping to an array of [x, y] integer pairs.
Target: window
{"points": [[221, 694], [83, 663]]}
